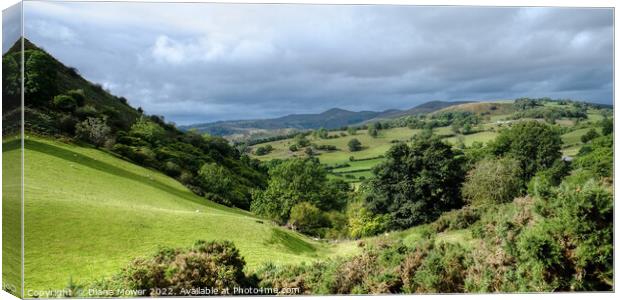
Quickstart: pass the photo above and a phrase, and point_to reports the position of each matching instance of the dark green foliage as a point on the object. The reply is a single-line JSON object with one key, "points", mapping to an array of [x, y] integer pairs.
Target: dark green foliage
{"points": [[293, 148], [434, 268], [607, 126], [216, 265], [373, 131], [11, 81], [39, 78], [307, 218], [263, 150], [64, 102], [544, 180], [579, 224], [354, 145], [77, 95], [597, 157], [417, 183], [535, 145], [456, 219], [590, 135], [294, 181], [493, 181]]}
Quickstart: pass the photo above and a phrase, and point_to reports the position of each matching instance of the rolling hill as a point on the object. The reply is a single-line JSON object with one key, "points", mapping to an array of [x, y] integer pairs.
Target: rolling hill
{"points": [[90, 213], [330, 119]]}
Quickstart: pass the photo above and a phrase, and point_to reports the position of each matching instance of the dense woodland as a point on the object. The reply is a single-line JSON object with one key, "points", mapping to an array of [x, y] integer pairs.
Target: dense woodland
{"points": [[539, 221]]}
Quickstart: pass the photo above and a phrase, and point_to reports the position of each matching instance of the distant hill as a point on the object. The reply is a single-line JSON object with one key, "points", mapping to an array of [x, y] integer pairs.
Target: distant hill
{"points": [[330, 119]]}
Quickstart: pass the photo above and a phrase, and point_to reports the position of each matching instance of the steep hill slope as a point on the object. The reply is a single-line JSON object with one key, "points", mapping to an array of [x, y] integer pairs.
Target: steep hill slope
{"points": [[90, 213]]}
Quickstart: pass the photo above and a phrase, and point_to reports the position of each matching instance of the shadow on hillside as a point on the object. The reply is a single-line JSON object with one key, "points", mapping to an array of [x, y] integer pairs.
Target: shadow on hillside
{"points": [[290, 242], [81, 159]]}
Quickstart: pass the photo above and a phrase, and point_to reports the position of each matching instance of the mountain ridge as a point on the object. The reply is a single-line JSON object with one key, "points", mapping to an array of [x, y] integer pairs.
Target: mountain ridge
{"points": [[329, 119]]}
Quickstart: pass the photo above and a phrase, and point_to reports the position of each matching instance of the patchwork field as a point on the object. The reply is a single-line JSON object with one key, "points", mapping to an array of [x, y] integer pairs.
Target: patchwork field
{"points": [[496, 115]]}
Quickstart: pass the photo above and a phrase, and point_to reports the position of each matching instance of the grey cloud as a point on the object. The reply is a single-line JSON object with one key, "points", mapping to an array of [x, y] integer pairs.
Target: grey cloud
{"points": [[207, 62]]}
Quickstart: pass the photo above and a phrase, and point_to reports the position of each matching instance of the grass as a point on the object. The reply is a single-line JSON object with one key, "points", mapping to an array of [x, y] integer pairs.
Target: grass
{"points": [[89, 213], [11, 216]]}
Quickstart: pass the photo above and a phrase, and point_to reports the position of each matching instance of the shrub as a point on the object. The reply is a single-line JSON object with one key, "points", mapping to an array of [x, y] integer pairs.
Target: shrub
{"points": [[599, 158], [207, 264], [362, 223], [433, 269], [293, 148], [147, 130], [78, 95], [93, 130], [64, 102], [590, 135], [456, 219], [307, 218], [493, 181], [354, 145]]}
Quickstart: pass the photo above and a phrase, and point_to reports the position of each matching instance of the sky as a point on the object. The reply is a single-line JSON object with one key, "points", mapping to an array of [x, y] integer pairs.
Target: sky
{"points": [[196, 62]]}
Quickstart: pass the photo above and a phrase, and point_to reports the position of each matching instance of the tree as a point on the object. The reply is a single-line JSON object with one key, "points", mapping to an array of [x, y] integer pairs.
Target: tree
{"points": [[301, 140], [40, 78], [607, 126], [64, 102], [373, 131], [590, 135], [294, 181], [352, 130], [416, 183], [263, 150], [322, 133], [493, 181], [78, 95], [93, 130], [147, 130], [534, 144], [307, 218], [354, 145], [309, 151], [293, 148]]}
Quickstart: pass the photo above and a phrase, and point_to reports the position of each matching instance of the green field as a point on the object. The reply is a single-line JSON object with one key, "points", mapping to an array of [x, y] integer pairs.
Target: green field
{"points": [[90, 213]]}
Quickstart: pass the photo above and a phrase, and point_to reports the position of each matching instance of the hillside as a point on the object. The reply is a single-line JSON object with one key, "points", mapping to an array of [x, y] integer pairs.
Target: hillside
{"points": [[330, 119], [107, 211], [494, 117], [60, 103]]}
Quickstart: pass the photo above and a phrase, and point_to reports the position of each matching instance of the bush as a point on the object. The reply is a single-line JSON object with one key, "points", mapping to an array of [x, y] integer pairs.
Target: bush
{"points": [[493, 181], [215, 265], [433, 269], [354, 145], [590, 135], [93, 130], [64, 102], [293, 148], [307, 218], [599, 158], [456, 219], [362, 223], [78, 95]]}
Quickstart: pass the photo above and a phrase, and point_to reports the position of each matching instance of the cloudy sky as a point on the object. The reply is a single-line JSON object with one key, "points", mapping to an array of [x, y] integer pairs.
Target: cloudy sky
{"points": [[208, 62]]}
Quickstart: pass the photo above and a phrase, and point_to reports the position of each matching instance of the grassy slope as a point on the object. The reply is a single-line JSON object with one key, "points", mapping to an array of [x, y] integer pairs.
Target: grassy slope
{"points": [[11, 216], [90, 213]]}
